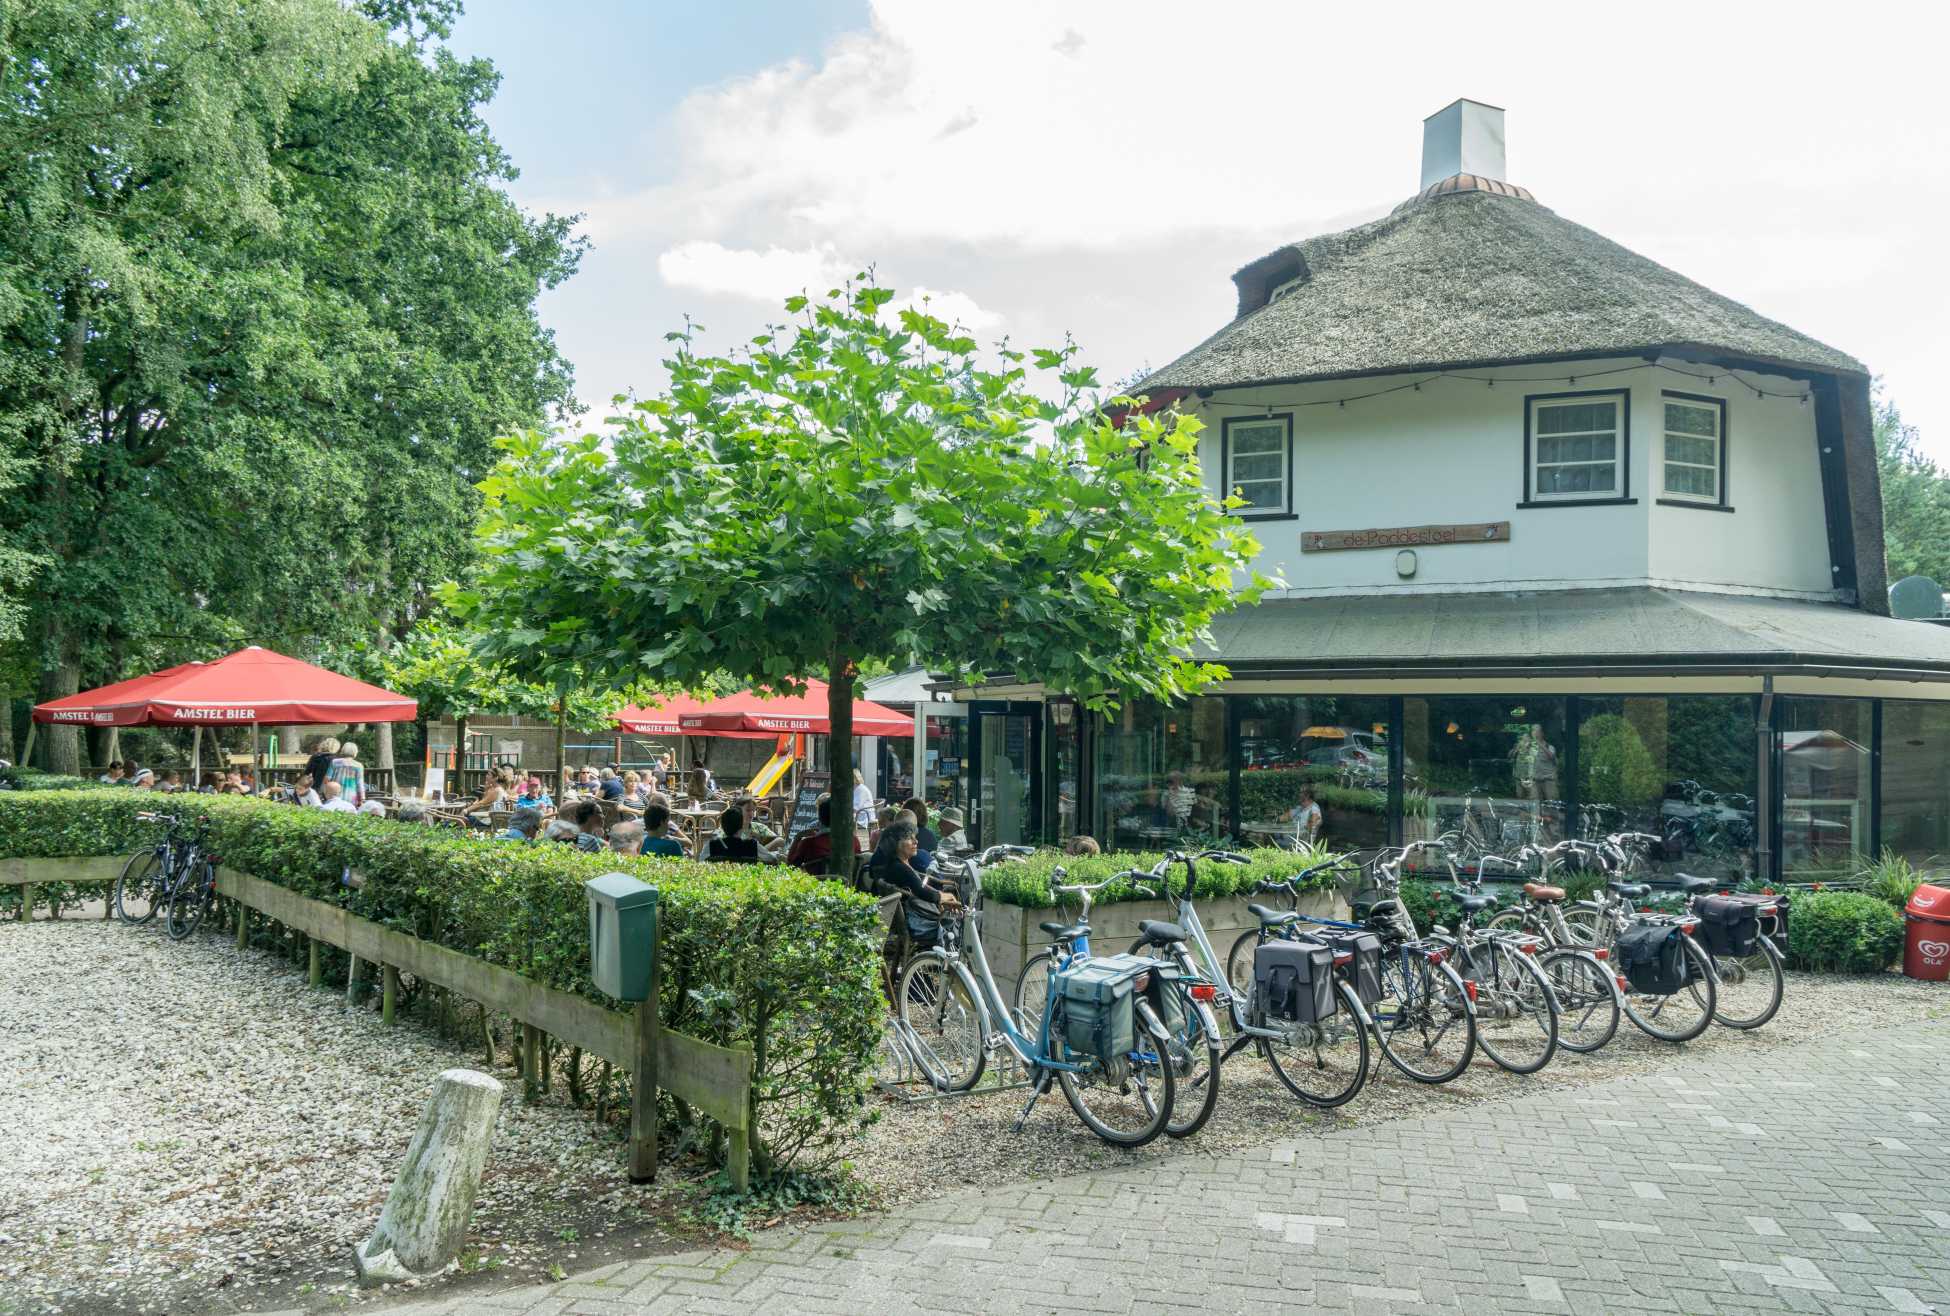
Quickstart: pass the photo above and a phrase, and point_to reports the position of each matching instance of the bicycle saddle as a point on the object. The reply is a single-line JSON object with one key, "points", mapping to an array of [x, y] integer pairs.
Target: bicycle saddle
{"points": [[1690, 885], [1065, 931], [1543, 895], [1271, 917], [1160, 933], [1476, 903], [1630, 890]]}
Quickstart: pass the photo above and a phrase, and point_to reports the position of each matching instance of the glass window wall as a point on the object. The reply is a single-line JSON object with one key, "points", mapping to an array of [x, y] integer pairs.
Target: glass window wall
{"points": [[1486, 772], [1824, 749], [1313, 768], [1680, 768], [1162, 773], [1915, 787]]}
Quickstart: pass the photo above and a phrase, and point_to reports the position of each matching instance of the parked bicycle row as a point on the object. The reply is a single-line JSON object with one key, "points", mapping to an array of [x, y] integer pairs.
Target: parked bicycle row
{"points": [[1138, 1040]]}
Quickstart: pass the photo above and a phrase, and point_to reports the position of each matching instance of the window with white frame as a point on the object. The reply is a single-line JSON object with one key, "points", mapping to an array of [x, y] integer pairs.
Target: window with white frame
{"points": [[1259, 464], [1577, 447], [1694, 451]]}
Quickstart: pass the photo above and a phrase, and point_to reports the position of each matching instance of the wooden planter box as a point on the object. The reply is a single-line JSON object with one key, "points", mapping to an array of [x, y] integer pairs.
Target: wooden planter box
{"points": [[1010, 934]]}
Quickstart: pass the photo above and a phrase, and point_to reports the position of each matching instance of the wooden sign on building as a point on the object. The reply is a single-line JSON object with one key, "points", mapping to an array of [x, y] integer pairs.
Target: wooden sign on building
{"points": [[1413, 536]]}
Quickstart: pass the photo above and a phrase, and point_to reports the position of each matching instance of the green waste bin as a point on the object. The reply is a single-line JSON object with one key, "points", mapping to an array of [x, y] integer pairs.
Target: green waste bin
{"points": [[622, 935]]}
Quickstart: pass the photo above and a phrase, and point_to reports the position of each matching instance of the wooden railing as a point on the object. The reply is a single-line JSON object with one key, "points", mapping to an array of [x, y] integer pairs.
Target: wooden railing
{"points": [[715, 1080]]}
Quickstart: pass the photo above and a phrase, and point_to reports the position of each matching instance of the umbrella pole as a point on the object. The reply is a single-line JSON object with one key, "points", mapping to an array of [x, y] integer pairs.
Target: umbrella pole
{"points": [[920, 773], [254, 757], [196, 757]]}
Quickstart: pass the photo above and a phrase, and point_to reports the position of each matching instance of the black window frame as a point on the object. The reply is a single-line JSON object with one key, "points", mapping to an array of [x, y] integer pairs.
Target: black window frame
{"points": [[1285, 511], [1665, 499], [1623, 497]]}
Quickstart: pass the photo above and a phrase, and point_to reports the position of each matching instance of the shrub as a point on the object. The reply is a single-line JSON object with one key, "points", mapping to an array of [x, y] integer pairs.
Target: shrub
{"points": [[1844, 932], [1890, 878], [1430, 903], [33, 779], [771, 959], [1028, 883]]}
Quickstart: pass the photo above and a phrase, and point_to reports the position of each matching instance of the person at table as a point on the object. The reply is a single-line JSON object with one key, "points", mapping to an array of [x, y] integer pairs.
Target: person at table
{"points": [[494, 795], [1305, 817], [745, 809], [863, 818], [525, 826], [349, 773], [627, 838], [531, 792], [114, 776], [611, 786], [812, 849], [332, 799], [657, 839], [954, 835], [922, 899], [587, 815], [213, 783], [320, 762], [699, 786], [303, 795], [731, 844], [172, 782], [926, 836], [636, 794]]}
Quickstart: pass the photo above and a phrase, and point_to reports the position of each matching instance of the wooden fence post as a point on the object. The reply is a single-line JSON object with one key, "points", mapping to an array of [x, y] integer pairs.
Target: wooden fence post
{"points": [[389, 993], [315, 969], [243, 925], [531, 1064], [739, 1154], [643, 1090], [27, 903], [352, 981]]}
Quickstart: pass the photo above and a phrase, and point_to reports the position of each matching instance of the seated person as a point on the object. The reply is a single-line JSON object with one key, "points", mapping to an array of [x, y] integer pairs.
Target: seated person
{"points": [[812, 850], [587, 815], [626, 838], [1305, 817], [611, 785], [373, 809], [332, 799], [657, 839], [954, 838], [923, 899], [524, 826], [114, 776], [413, 811], [172, 782], [731, 845], [562, 831]]}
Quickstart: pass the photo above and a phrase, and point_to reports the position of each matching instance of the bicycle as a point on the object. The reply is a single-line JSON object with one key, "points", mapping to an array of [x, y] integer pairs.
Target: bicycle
{"points": [[1513, 994], [150, 878], [1124, 1099], [1590, 1000], [1660, 1014], [194, 895], [1425, 1016], [1324, 1063]]}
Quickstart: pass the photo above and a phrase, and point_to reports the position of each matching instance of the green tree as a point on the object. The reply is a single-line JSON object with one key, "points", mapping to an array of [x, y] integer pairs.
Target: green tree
{"points": [[263, 307], [849, 489], [1915, 500]]}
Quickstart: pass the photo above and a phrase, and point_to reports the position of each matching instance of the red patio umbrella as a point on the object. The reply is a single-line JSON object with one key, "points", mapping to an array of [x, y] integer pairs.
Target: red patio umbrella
{"points": [[250, 686], [751, 711]]}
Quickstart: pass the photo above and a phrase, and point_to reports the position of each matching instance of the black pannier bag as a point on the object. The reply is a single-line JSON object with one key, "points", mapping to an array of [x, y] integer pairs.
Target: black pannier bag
{"points": [[1650, 955], [1728, 925], [1366, 949], [1294, 980]]}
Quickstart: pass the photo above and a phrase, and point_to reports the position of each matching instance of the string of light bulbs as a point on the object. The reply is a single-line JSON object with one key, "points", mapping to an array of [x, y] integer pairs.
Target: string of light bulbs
{"points": [[1711, 377]]}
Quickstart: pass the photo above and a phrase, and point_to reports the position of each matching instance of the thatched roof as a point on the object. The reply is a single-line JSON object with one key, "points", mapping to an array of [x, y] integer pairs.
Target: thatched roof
{"points": [[1470, 277]]}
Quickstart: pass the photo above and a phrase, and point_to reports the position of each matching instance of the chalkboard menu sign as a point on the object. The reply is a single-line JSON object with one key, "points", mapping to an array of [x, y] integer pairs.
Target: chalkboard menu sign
{"points": [[805, 805]]}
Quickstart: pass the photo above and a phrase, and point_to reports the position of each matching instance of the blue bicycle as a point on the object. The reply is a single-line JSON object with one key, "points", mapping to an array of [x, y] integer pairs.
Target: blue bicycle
{"points": [[957, 1015]]}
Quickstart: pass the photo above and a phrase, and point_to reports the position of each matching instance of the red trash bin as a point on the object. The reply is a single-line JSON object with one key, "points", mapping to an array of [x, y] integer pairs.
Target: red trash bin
{"points": [[1926, 952]]}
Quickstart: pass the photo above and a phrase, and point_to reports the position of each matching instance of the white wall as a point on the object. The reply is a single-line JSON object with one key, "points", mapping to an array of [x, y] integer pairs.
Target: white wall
{"points": [[1453, 453]]}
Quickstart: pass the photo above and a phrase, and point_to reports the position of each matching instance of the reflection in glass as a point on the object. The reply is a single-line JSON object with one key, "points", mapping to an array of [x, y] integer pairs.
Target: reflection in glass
{"points": [[1487, 772], [1161, 773], [1680, 768], [1915, 787], [1824, 757], [1313, 768]]}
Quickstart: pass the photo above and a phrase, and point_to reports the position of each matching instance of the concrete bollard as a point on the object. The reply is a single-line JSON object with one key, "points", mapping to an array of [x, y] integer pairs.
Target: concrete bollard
{"points": [[425, 1219]]}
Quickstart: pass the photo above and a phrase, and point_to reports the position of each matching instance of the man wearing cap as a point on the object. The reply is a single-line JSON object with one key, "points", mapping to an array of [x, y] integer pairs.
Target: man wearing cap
{"points": [[954, 841]]}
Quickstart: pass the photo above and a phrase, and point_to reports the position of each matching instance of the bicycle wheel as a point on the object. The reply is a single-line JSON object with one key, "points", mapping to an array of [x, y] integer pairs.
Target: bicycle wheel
{"points": [[190, 901], [140, 890], [1032, 993], [1685, 1014], [1324, 1063], [1587, 999], [1126, 1101], [937, 1003], [1749, 989], [1510, 920], [1422, 1020], [1516, 1011], [1194, 1054], [1586, 927]]}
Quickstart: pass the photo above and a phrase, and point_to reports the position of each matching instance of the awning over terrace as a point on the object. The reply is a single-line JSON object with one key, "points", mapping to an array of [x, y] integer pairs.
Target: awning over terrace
{"points": [[771, 714], [659, 718]]}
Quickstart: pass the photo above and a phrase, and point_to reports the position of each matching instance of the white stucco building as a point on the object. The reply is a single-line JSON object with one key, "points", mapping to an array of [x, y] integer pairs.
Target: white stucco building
{"points": [[1569, 543]]}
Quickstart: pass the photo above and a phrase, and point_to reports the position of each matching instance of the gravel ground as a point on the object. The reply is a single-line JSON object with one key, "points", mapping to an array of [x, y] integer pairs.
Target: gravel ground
{"points": [[191, 1129], [931, 1148], [188, 1128]]}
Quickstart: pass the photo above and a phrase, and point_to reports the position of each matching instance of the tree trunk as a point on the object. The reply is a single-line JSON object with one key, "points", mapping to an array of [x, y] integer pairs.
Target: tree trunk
{"points": [[7, 726], [289, 742], [112, 752], [383, 755], [561, 747], [460, 755], [839, 712], [61, 745]]}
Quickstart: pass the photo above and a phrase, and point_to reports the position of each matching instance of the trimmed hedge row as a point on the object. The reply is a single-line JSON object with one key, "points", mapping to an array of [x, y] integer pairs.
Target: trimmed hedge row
{"points": [[1843, 932], [761, 957], [1028, 883]]}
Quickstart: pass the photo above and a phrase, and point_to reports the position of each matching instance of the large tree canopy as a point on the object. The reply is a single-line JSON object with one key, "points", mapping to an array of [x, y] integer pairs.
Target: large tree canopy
{"points": [[849, 489], [1915, 500], [263, 306]]}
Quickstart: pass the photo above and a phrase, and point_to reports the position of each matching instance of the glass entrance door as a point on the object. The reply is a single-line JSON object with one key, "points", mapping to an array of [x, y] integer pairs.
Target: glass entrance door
{"points": [[1006, 756]]}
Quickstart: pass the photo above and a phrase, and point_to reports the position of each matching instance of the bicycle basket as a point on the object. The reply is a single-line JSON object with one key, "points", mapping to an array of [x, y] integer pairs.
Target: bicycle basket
{"points": [[1097, 1002], [1650, 956], [1729, 925], [1294, 980]]}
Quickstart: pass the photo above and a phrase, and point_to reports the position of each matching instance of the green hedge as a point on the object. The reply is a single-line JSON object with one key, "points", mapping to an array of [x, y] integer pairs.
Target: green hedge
{"points": [[33, 779], [761, 957], [1843, 932], [1028, 883]]}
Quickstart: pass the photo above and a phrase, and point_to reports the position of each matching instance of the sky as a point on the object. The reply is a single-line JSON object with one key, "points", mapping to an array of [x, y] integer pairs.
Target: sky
{"points": [[1032, 169]]}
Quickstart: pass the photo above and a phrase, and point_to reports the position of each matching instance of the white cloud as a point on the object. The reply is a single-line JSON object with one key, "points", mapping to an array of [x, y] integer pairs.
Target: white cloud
{"points": [[770, 275], [957, 308]]}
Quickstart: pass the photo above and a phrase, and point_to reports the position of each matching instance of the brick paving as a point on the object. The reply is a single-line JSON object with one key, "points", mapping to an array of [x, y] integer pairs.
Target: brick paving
{"points": [[1726, 1182]]}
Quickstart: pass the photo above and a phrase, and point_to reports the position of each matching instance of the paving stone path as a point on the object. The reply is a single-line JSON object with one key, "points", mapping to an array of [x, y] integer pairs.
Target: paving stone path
{"points": [[1811, 1179]]}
